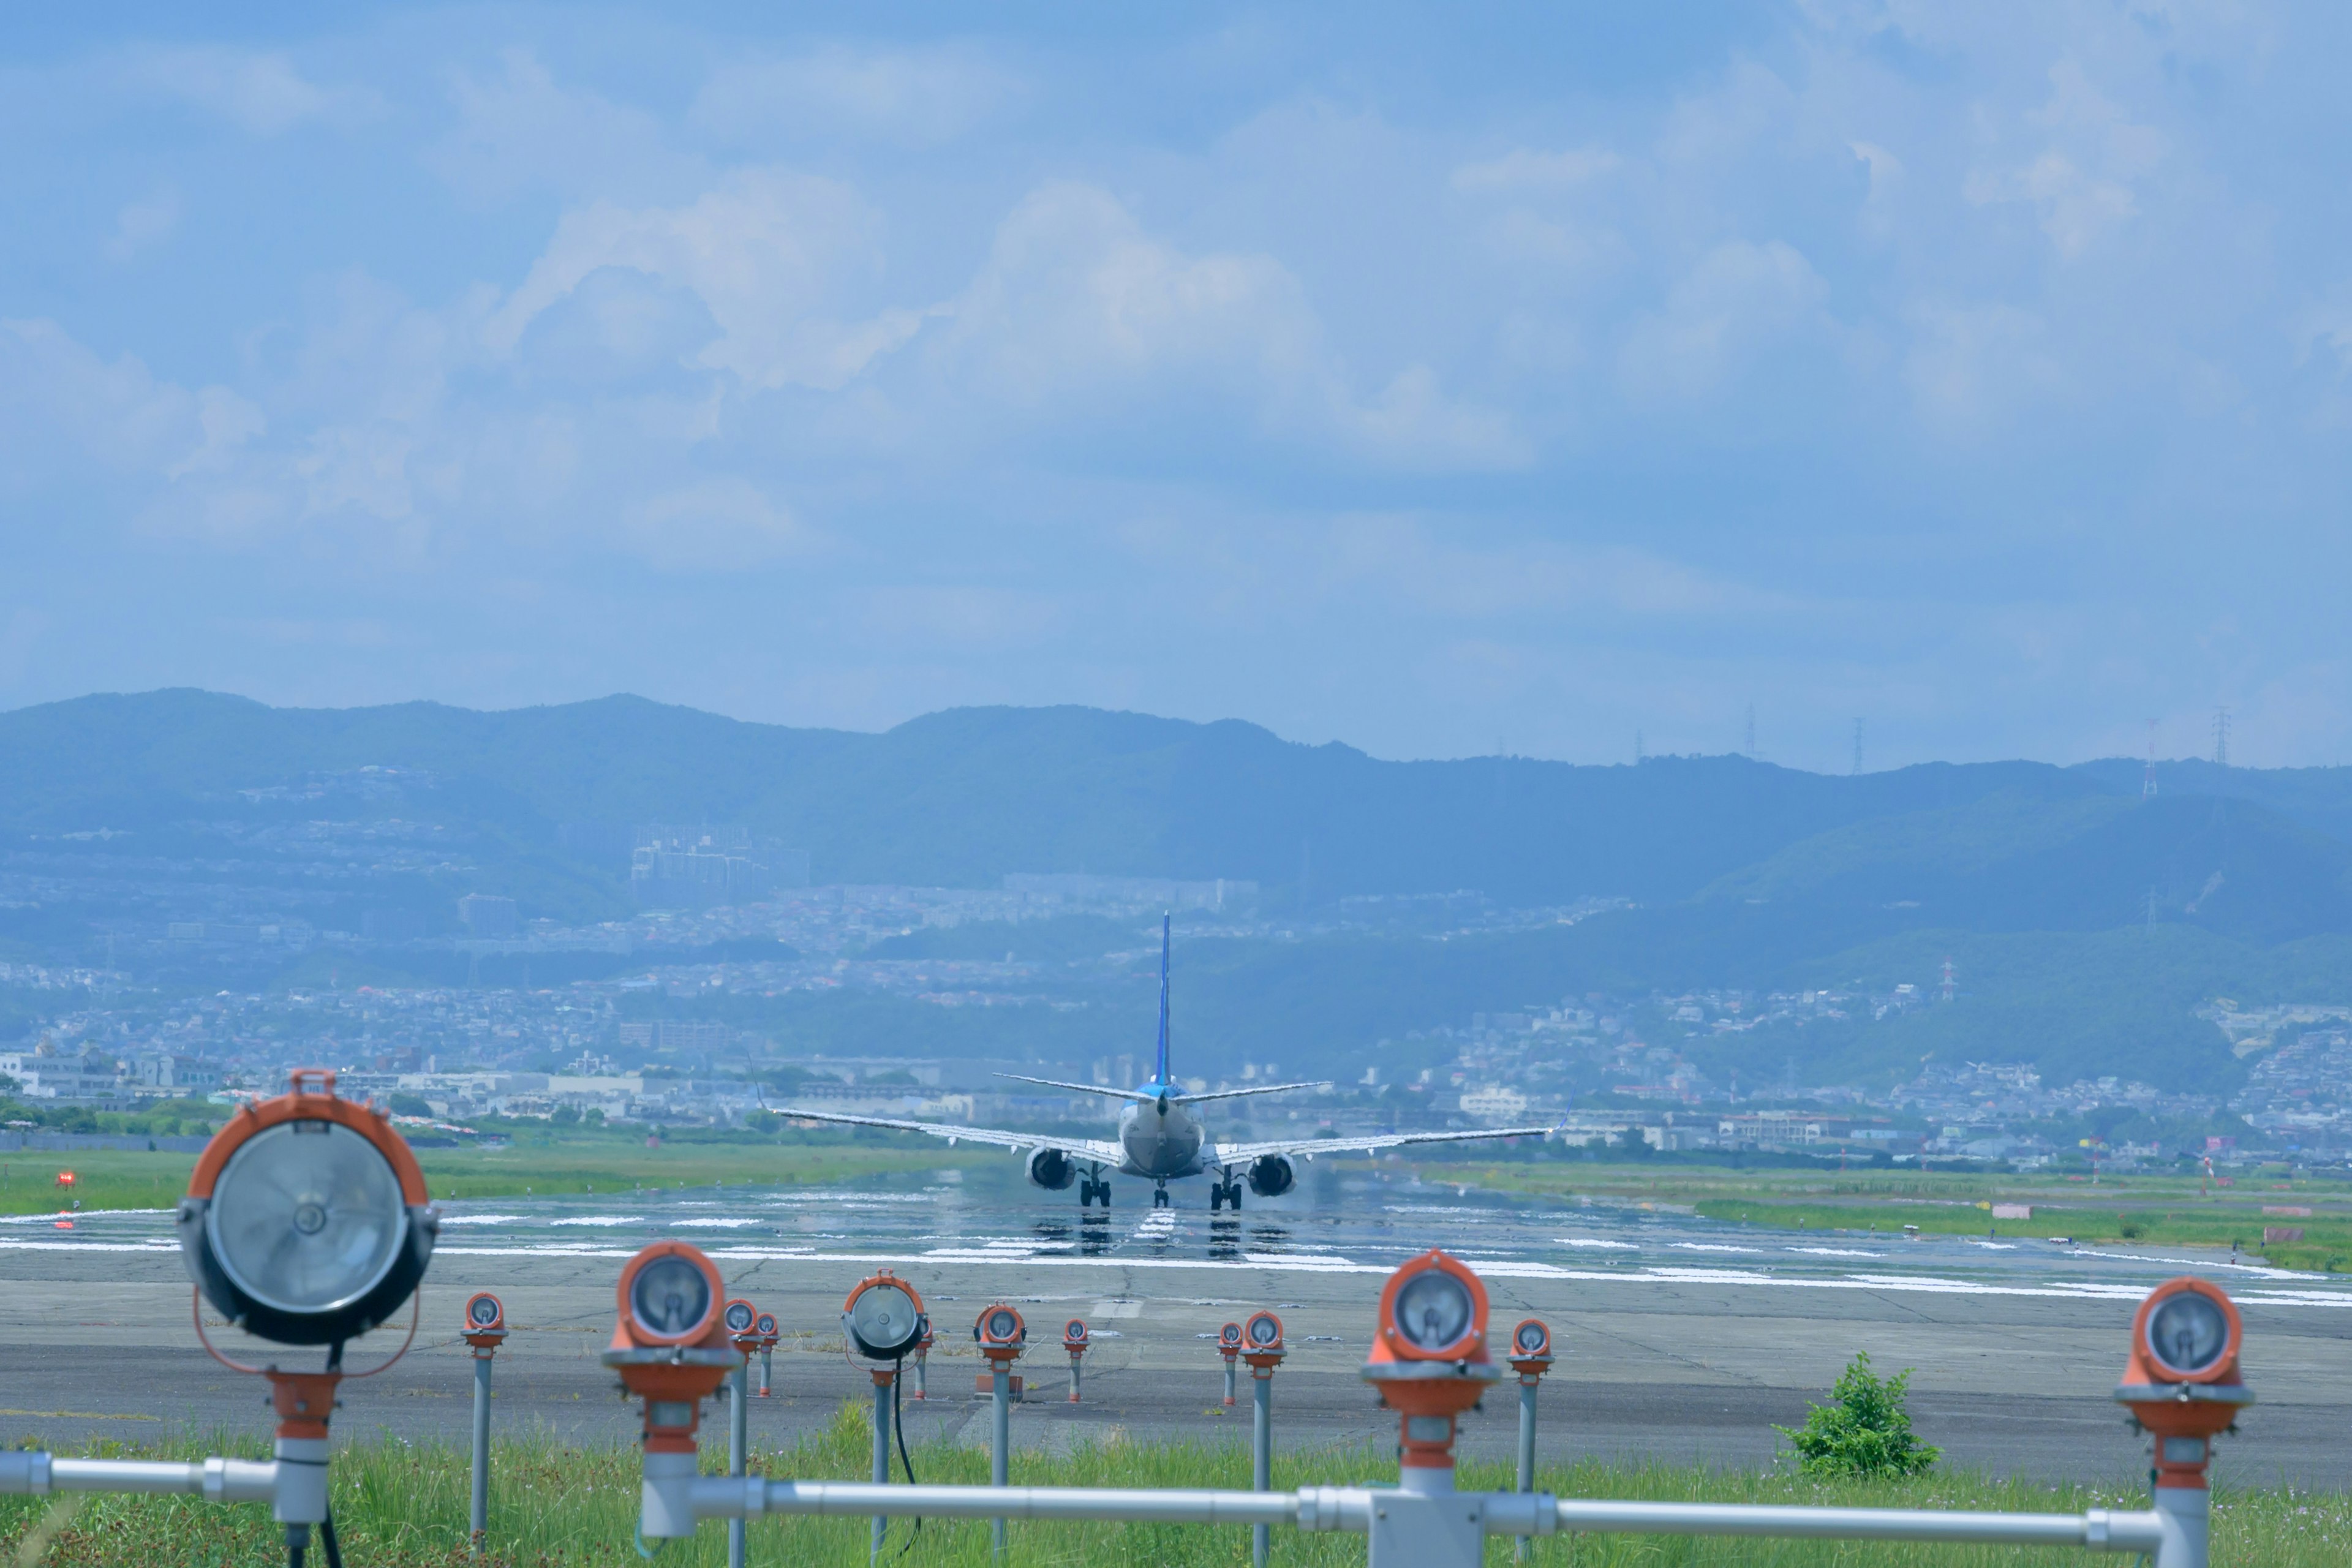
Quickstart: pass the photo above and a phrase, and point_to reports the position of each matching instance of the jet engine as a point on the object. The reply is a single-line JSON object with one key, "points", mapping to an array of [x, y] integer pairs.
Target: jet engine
{"points": [[1053, 1170], [1271, 1176]]}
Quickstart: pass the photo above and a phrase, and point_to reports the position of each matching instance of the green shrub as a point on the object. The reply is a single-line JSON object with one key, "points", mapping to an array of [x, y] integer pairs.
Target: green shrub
{"points": [[1863, 1430]]}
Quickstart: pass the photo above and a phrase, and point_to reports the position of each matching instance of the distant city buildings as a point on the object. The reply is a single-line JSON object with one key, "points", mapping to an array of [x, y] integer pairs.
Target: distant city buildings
{"points": [[486, 915]]}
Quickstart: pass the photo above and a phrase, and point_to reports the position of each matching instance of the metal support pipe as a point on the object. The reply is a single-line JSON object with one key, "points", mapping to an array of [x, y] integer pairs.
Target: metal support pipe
{"points": [[1229, 1383], [1527, 1450], [764, 1353], [739, 1446], [478, 1520], [29, 1472], [1261, 1453], [881, 1454], [1000, 1445], [922, 1371], [2099, 1530]]}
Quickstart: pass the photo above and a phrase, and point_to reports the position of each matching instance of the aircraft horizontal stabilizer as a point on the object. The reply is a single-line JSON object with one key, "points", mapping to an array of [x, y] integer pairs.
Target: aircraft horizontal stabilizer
{"points": [[1080, 1088], [1238, 1093]]}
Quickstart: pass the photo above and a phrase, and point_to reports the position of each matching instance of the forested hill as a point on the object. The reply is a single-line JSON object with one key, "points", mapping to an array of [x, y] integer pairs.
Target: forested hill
{"points": [[959, 798]]}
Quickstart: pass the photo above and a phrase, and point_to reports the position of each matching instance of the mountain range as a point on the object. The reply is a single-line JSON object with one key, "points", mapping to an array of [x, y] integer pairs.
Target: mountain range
{"points": [[1739, 872]]}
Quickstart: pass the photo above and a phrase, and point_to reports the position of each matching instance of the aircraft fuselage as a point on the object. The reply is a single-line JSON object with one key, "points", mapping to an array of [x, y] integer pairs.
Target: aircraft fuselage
{"points": [[1161, 1144]]}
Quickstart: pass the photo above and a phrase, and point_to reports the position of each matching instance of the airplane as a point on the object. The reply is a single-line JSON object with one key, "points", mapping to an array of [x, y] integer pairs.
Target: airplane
{"points": [[1159, 1139]]}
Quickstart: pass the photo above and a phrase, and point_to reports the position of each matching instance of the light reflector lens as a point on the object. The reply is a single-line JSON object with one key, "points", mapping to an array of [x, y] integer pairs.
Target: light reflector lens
{"points": [[883, 1322], [307, 1216], [2188, 1332], [483, 1311], [1432, 1309], [1531, 1337], [669, 1297]]}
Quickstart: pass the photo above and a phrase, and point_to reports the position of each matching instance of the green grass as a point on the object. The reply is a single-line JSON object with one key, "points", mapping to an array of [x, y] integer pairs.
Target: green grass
{"points": [[398, 1506], [609, 1163], [2167, 1211]]}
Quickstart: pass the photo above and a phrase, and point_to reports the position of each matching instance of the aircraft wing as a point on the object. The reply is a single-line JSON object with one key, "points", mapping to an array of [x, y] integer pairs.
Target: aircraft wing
{"points": [[1241, 1154], [1238, 1093], [1101, 1148], [1081, 1088]]}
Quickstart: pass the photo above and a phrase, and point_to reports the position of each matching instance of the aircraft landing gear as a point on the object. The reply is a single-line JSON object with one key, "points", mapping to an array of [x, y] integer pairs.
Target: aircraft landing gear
{"points": [[1159, 1196], [1094, 1186], [1223, 1193]]}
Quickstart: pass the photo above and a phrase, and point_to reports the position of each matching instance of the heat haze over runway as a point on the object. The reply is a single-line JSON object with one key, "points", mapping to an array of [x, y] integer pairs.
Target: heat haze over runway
{"points": [[1682, 1339]]}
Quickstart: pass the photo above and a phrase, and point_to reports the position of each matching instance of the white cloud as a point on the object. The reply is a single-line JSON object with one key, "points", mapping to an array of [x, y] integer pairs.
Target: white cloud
{"points": [[1524, 169], [55, 395], [2082, 185], [520, 127], [141, 224], [768, 252], [911, 97], [1078, 309], [260, 92], [1739, 299]]}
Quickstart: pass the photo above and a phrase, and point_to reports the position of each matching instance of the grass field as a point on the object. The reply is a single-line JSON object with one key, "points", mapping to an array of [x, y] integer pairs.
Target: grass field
{"points": [[402, 1507], [2169, 1210], [118, 1179]]}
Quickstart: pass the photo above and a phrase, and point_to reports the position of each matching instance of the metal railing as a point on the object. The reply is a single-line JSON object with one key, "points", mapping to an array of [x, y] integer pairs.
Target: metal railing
{"points": [[1431, 1526]]}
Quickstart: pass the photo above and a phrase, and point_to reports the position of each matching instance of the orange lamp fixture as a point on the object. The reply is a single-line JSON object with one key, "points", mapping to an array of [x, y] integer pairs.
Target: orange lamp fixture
{"points": [[486, 1321], [306, 1221], [999, 1332], [670, 1344], [1429, 1357], [882, 1316], [1531, 1355], [2182, 1382], [1262, 1341]]}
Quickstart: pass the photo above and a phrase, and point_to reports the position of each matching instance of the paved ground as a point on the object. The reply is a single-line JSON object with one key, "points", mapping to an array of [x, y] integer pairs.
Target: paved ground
{"points": [[1668, 1367]]}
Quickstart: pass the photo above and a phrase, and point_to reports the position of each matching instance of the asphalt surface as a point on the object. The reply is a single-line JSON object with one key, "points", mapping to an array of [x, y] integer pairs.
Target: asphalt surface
{"points": [[1679, 1342]]}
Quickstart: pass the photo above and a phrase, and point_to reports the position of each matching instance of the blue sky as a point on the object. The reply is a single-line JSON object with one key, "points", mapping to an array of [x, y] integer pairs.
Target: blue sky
{"points": [[1428, 382]]}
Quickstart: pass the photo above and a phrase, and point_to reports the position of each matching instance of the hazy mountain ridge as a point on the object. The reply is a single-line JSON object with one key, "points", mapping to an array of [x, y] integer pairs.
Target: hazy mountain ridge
{"points": [[2088, 923]]}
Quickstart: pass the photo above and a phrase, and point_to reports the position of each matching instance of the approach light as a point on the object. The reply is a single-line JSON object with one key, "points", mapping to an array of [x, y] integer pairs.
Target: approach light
{"points": [[1000, 1332], [669, 1347], [1429, 1359], [738, 1315], [1531, 1348], [1262, 1334], [1074, 1335], [306, 1221], [766, 1327], [1229, 1340], [486, 1321], [2182, 1385], [884, 1317]]}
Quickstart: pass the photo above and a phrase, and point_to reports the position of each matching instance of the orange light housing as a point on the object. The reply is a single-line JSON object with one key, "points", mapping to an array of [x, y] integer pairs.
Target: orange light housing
{"points": [[670, 1344], [486, 1320], [1262, 1341], [1229, 1341], [332, 1185], [1429, 1354], [1000, 1332], [1530, 1349], [883, 1317], [1074, 1336], [743, 1322], [2181, 1381]]}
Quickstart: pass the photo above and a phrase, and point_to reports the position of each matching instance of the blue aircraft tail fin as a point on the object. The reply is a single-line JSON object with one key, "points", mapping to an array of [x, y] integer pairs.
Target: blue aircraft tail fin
{"points": [[1160, 1065]]}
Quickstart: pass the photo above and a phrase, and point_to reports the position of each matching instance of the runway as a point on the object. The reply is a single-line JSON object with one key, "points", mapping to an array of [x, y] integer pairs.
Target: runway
{"points": [[1680, 1340]]}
